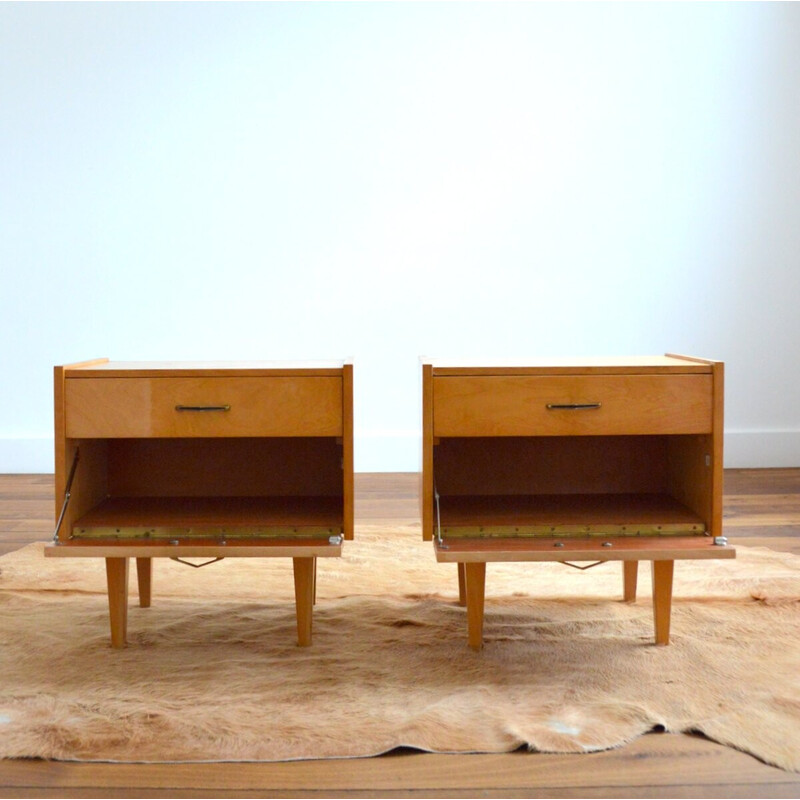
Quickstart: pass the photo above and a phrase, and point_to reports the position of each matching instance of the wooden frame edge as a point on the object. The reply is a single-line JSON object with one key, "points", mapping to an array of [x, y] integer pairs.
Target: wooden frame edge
{"points": [[348, 455], [717, 454], [426, 473]]}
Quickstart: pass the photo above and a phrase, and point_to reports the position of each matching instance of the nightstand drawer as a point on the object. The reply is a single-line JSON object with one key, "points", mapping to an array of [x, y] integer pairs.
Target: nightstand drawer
{"points": [[571, 405], [203, 406]]}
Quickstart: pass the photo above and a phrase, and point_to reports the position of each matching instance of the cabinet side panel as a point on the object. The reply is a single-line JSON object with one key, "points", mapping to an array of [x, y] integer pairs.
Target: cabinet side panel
{"points": [[426, 473], [696, 462], [89, 485], [347, 451], [60, 439], [718, 454], [690, 476]]}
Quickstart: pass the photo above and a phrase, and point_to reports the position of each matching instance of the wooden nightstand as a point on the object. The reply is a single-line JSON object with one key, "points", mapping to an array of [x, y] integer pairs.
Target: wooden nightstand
{"points": [[573, 461], [203, 460]]}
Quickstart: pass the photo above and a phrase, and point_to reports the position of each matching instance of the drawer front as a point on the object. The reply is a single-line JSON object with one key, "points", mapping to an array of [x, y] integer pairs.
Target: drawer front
{"points": [[149, 407], [571, 405]]}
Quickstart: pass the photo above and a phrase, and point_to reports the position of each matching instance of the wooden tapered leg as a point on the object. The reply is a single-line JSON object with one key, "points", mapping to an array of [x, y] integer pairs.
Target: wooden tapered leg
{"points": [[662, 598], [314, 598], [630, 575], [475, 575], [117, 578], [144, 573], [304, 598], [462, 585]]}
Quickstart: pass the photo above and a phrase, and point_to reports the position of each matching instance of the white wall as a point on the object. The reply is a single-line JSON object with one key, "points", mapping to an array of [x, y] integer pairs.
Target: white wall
{"points": [[380, 181]]}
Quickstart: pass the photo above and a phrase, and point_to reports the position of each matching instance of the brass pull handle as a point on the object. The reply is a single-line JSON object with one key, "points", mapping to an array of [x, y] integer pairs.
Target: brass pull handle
{"points": [[202, 408], [572, 406]]}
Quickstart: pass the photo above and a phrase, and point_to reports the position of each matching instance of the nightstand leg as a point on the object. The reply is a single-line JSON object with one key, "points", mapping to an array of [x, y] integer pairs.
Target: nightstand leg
{"points": [[304, 598], [314, 598], [144, 573], [117, 578], [475, 574], [462, 585], [630, 574], [662, 598]]}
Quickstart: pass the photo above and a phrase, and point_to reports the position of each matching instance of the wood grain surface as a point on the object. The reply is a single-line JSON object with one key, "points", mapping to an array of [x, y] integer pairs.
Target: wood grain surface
{"points": [[148, 407], [513, 405]]}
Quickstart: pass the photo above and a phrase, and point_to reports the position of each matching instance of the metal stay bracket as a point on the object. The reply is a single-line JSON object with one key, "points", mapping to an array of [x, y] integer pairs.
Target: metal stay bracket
{"points": [[439, 540], [67, 494], [197, 566], [577, 566]]}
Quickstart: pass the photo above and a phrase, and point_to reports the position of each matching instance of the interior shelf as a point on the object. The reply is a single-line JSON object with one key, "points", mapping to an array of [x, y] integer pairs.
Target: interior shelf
{"points": [[221, 517], [640, 514]]}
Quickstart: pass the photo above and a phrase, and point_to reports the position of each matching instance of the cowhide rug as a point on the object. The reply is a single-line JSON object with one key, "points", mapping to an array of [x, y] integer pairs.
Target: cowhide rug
{"points": [[212, 671]]}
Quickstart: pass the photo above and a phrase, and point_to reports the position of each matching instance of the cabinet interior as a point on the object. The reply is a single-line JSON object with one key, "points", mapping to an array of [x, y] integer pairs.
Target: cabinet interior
{"points": [[573, 485], [207, 487]]}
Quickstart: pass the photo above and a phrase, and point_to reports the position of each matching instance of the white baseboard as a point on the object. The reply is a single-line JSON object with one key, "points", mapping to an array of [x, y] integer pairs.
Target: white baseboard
{"points": [[399, 451], [756, 449], [388, 451], [20, 455]]}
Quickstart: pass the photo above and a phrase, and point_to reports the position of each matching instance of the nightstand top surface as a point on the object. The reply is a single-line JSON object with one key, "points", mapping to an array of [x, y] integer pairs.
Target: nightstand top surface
{"points": [[155, 369], [569, 365]]}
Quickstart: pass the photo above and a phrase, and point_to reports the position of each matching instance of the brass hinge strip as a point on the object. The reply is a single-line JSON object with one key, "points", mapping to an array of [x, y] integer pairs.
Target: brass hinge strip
{"points": [[572, 531], [163, 532]]}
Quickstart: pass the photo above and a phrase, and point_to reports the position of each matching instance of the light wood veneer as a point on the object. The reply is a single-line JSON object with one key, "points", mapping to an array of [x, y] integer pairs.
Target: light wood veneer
{"points": [[596, 460], [250, 459]]}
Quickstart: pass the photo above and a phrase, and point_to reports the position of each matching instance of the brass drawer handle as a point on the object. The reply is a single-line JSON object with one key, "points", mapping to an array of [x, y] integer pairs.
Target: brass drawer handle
{"points": [[571, 406], [202, 408]]}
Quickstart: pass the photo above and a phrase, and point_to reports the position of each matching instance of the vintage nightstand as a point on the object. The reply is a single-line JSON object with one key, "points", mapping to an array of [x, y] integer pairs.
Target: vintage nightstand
{"points": [[573, 461], [205, 460]]}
